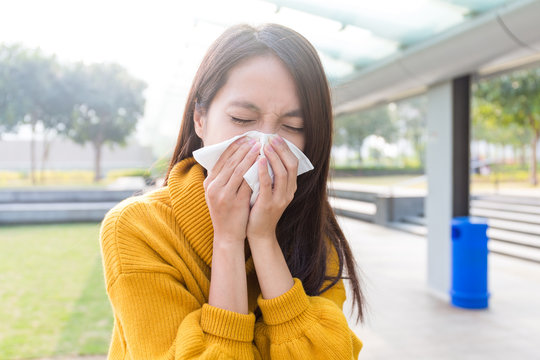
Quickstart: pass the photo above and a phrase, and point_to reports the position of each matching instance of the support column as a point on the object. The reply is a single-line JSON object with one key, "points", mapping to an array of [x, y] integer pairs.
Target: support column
{"points": [[447, 170], [461, 140]]}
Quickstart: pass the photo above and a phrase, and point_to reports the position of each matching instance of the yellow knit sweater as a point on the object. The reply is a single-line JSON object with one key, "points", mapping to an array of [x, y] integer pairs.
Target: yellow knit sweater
{"points": [[157, 252]]}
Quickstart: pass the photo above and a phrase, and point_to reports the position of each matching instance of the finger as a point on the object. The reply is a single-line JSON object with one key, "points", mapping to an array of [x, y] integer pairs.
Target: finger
{"points": [[289, 160], [265, 182], [229, 151], [237, 176], [244, 191], [231, 163], [280, 172]]}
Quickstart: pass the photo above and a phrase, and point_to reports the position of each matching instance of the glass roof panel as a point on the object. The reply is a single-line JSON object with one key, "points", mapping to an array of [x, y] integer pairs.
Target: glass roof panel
{"points": [[479, 6], [352, 34]]}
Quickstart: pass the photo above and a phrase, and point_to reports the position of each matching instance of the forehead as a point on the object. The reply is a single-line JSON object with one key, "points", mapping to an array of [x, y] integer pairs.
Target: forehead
{"points": [[262, 80]]}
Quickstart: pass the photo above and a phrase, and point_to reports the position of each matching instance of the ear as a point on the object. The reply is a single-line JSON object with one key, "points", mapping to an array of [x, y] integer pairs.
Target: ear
{"points": [[199, 122]]}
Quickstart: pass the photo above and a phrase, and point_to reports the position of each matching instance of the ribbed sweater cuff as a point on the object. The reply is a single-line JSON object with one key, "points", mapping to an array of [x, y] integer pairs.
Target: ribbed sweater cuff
{"points": [[285, 307], [227, 324]]}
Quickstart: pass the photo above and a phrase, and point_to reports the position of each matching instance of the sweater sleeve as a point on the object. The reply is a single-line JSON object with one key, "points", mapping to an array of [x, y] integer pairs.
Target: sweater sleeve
{"points": [[297, 326], [161, 320], [156, 316]]}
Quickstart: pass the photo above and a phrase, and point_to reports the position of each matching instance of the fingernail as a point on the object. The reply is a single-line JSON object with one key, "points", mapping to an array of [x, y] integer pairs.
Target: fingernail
{"points": [[269, 148], [252, 141]]}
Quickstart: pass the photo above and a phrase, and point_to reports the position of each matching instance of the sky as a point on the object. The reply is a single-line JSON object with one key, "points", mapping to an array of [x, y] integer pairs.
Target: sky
{"points": [[162, 41], [156, 41]]}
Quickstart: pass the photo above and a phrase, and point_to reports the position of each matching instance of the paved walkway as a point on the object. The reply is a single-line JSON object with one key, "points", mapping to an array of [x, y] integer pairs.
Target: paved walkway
{"points": [[406, 321]]}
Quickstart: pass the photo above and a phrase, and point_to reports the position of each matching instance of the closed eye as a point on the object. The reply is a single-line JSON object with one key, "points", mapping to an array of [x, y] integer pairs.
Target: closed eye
{"points": [[247, 121], [295, 129], [241, 121]]}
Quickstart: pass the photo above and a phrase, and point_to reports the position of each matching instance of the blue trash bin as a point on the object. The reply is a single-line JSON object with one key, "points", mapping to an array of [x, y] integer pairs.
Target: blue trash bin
{"points": [[469, 263]]}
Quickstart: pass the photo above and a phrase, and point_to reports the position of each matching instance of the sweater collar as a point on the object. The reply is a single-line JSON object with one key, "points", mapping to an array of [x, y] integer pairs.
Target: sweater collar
{"points": [[186, 192]]}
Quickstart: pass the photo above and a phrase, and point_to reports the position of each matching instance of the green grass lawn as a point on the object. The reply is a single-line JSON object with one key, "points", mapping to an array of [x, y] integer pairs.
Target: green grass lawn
{"points": [[478, 184], [52, 294]]}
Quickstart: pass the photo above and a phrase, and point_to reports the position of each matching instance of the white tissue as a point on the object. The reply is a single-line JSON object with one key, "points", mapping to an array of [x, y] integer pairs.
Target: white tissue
{"points": [[209, 155]]}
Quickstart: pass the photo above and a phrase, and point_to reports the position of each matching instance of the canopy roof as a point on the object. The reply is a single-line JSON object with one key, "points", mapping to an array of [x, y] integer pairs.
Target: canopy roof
{"points": [[351, 35], [354, 34]]}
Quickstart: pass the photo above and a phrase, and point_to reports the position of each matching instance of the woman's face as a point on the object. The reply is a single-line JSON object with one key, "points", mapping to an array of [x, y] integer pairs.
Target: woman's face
{"points": [[260, 94]]}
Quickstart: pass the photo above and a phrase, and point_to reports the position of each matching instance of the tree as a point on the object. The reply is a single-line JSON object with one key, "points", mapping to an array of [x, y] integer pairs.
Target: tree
{"points": [[9, 112], [351, 129], [108, 102], [491, 124], [411, 113], [32, 92], [518, 96]]}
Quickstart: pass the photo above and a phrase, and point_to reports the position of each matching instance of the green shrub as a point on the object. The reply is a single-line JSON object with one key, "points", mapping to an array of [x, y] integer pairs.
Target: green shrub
{"points": [[159, 168], [115, 174]]}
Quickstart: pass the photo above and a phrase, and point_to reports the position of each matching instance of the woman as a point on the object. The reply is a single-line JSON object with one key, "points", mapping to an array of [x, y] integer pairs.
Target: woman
{"points": [[192, 272]]}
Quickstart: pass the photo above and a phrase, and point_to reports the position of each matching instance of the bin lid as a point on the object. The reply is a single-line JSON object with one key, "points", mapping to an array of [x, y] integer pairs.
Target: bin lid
{"points": [[462, 220]]}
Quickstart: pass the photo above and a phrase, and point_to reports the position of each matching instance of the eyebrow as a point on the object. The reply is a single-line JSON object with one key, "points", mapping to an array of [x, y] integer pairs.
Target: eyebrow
{"points": [[253, 107]]}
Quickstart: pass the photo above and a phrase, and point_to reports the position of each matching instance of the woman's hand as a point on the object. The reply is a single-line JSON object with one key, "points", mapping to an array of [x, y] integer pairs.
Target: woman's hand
{"points": [[227, 194], [272, 202]]}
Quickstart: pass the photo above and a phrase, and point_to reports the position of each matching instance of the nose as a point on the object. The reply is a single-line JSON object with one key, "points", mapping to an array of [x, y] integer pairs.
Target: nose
{"points": [[268, 127]]}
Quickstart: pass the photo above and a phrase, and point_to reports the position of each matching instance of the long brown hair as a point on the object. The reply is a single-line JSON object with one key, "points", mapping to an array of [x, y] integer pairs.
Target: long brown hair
{"points": [[309, 219]]}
